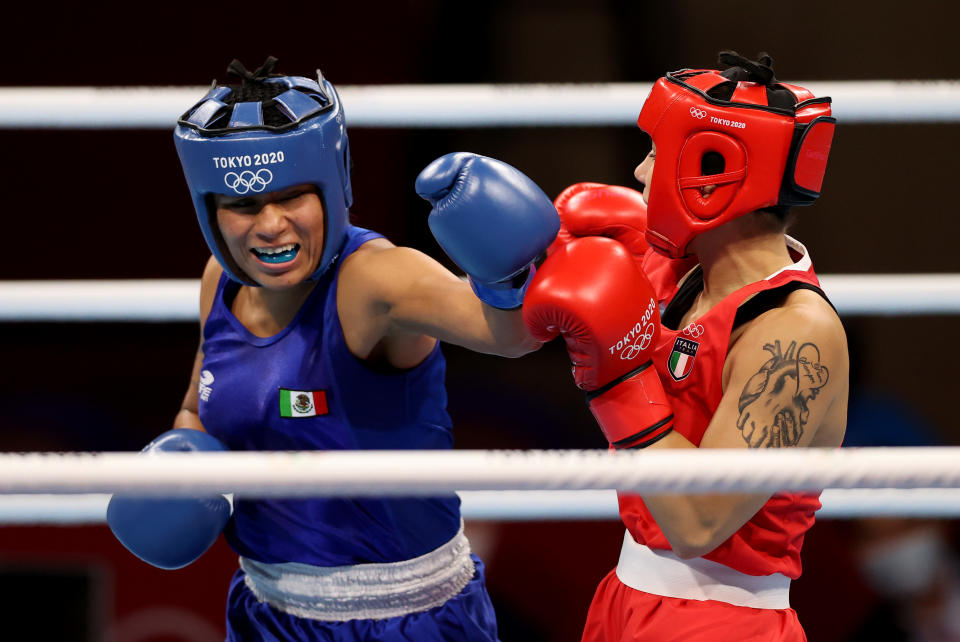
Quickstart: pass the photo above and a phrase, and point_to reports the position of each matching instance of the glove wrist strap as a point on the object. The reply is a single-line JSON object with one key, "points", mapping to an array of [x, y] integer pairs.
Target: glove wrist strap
{"points": [[633, 411], [505, 295]]}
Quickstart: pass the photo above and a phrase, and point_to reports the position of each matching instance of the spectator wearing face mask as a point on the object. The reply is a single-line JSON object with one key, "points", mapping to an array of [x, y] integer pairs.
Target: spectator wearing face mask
{"points": [[914, 569], [911, 565]]}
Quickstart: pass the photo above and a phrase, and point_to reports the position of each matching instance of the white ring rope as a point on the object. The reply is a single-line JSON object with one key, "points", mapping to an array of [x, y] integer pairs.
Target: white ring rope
{"points": [[158, 300], [161, 300], [527, 505], [534, 505], [381, 473], [841, 471], [457, 105]]}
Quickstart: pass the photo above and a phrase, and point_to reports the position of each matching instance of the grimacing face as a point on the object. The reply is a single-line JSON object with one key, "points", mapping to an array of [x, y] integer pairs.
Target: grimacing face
{"points": [[276, 238]]}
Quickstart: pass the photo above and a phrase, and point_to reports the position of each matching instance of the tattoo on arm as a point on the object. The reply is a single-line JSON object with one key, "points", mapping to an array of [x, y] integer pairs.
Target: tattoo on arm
{"points": [[773, 405]]}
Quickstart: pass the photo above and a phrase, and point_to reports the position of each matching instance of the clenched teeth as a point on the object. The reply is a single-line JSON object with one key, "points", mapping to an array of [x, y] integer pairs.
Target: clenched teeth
{"points": [[276, 250]]}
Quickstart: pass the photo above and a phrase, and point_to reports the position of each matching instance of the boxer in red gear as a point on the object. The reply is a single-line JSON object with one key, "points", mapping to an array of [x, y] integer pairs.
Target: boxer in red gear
{"points": [[750, 353]]}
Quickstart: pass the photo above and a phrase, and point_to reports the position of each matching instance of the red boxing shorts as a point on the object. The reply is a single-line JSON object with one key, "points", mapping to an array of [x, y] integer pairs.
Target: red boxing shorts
{"points": [[655, 596], [619, 613]]}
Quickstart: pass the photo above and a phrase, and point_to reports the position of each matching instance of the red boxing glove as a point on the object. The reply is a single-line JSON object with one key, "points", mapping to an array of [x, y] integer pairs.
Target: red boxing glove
{"points": [[592, 292], [595, 209]]}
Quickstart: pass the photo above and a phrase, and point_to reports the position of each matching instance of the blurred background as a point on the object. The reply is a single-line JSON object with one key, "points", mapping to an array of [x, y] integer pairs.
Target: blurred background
{"points": [[112, 204]]}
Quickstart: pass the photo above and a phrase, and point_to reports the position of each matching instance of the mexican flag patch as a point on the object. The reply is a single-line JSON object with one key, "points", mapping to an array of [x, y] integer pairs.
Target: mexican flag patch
{"points": [[302, 403]]}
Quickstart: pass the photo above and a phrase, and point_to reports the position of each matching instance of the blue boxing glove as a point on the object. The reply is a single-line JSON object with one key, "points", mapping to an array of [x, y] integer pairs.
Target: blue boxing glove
{"points": [[491, 220], [170, 533]]}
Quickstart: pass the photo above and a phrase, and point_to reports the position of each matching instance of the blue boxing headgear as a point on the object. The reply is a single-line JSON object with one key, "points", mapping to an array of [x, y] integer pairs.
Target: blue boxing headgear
{"points": [[230, 149]]}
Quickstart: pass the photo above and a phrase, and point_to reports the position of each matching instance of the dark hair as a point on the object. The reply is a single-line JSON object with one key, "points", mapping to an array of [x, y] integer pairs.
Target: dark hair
{"points": [[778, 217], [254, 89], [741, 69]]}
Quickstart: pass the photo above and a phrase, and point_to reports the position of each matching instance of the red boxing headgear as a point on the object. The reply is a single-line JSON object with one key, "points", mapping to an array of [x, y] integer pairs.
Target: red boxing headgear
{"points": [[774, 140]]}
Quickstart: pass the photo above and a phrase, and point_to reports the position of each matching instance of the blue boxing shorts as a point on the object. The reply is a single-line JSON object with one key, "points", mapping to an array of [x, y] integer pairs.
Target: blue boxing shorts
{"points": [[256, 611]]}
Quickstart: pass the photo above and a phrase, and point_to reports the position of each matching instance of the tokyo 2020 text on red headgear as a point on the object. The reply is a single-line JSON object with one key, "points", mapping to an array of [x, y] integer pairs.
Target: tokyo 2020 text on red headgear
{"points": [[768, 143]]}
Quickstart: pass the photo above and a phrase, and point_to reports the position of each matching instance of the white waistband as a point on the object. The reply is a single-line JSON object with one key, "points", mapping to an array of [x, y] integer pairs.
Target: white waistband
{"points": [[363, 591], [661, 572]]}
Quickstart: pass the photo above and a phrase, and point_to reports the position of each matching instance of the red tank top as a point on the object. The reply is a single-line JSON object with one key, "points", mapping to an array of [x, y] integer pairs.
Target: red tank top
{"points": [[690, 363]]}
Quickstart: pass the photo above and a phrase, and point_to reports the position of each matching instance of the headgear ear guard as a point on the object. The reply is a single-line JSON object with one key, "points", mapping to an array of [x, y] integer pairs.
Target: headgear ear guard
{"points": [[773, 138], [297, 136]]}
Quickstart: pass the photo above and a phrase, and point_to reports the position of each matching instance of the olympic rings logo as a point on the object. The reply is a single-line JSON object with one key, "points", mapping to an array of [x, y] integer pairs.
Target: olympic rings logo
{"points": [[698, 113], [642, 342], [247, 181], [693, 330]]}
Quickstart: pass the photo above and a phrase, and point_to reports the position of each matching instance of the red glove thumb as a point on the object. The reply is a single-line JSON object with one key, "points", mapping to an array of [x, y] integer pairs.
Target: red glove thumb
{"points": [[595, 209]]}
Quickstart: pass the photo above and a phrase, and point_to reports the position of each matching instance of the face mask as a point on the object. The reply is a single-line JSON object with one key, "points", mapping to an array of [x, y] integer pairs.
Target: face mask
{"points": [[905, 566]]}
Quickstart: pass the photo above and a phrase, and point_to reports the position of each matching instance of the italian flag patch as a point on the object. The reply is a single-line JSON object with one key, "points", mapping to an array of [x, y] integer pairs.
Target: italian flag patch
{"points": [[302, 403], [682, 357]]}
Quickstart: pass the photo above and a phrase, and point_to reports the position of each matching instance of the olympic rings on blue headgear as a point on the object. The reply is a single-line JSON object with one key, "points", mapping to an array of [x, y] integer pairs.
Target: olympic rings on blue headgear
{"points": [[229, 149]]}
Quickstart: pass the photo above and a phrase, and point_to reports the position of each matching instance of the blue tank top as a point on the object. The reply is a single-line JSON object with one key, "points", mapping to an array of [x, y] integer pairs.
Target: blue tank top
{"points": [[354, 407]]}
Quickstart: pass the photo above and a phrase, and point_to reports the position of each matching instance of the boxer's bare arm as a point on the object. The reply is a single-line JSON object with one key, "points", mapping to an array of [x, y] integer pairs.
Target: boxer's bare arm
{"points": [[787, 386], [402, 301]]}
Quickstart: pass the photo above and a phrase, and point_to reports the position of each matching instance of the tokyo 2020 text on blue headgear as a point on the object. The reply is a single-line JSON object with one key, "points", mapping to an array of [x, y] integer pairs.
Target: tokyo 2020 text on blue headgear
{"points": [[293, 132]]}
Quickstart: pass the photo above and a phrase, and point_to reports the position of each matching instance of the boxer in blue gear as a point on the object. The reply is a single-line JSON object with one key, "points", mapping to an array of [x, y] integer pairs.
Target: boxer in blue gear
{"points": [[319, 335]]}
